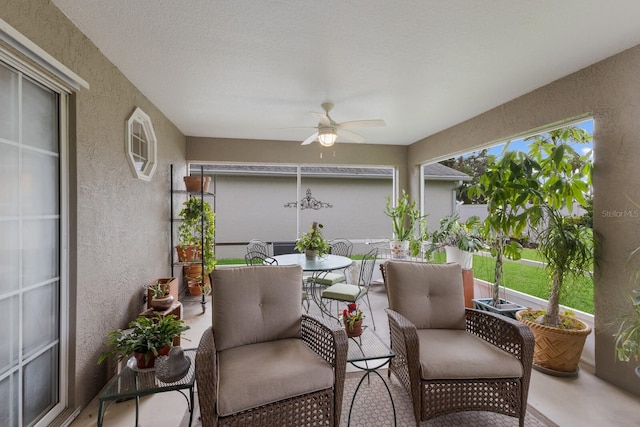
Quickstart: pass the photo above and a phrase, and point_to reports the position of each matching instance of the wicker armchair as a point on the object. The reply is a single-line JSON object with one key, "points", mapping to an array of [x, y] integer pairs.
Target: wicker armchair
{"points": [[449, 358], [264, 363]]}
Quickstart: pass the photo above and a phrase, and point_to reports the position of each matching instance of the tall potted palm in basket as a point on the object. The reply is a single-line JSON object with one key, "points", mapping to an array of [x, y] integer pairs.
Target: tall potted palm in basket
{"points": [[566, 245]]}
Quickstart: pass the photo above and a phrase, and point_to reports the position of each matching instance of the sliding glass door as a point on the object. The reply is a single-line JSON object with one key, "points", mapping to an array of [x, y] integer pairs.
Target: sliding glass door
{"points": [[30, 250]]}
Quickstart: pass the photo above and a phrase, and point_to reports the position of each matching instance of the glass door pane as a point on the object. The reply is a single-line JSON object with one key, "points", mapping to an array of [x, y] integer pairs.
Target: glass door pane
{"points": [[29, 249]]}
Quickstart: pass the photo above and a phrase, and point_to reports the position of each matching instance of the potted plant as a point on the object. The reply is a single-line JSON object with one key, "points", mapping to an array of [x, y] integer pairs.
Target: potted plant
{"points": [[404, 216], [146, 338], [313, 244], [352, 317], [509, 185], [159, 294], [565, 244], [627, 338], [196, 235], [459, 239]]}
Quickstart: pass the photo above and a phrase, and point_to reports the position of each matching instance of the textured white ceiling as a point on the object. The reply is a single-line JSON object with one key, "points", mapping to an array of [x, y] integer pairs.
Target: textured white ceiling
{"points": [[244, 68]]}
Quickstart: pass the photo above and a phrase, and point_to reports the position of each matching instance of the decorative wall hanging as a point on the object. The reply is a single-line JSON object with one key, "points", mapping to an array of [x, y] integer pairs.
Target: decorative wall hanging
{"points": [[309, 202]]}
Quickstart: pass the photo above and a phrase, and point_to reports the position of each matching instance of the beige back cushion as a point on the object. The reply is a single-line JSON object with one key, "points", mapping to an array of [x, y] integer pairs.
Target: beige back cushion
{"points": [[256, 304], [428, 295]]}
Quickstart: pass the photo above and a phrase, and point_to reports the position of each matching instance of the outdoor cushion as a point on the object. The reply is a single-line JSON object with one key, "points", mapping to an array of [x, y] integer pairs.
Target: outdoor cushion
{"points": [[344, 292], [330, 279], [428, 295], [242, 315], [456, 354], [259, 374]]}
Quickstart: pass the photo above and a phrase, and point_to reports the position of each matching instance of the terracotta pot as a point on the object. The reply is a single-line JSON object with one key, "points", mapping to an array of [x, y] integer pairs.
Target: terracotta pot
{"points": [[188, 253], [354, 331], [192, 271], [192, 183], [146, 363], [557, 351], [194, 289]]}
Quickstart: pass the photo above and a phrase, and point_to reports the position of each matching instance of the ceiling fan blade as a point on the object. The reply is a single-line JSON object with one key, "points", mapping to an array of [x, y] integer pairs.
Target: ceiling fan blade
{"points": [[310, 139], [361, 123], [324, 119], [350, 135]]}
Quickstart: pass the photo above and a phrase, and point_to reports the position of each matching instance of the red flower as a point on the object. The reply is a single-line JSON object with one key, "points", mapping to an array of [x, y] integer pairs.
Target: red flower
{"points": [[352, 307], [344, 312]]}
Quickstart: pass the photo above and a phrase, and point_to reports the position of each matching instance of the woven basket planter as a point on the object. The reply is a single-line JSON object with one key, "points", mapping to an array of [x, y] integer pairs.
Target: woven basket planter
{"points": [[557, 351]]}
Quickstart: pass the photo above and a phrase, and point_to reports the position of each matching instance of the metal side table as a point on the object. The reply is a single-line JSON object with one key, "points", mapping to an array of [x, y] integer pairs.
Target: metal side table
{"points": [[133, 383], [369, 353]]}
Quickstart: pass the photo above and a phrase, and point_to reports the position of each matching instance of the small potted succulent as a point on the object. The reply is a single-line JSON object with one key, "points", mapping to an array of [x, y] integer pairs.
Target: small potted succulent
{"points": [[159, 294], [146, 338], [313, 244]]}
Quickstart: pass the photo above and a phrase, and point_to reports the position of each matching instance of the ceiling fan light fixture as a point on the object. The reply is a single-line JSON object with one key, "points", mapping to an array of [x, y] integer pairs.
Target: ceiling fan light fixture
{"points": [[327, 136]]}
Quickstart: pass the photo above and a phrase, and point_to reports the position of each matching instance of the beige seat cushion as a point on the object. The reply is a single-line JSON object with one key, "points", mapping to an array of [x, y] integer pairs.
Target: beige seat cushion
{"points": [[256, 304], [456, 354], [330, 278], [429, 295], [259, 374], [344, 292]]}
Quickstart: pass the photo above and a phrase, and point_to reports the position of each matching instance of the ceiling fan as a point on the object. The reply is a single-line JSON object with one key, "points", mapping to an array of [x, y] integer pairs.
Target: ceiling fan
{"points": [[328, 130]]}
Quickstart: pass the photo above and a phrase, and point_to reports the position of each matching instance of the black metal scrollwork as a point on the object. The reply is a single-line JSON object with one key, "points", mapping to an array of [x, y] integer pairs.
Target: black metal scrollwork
{"points": [[309, 202]]}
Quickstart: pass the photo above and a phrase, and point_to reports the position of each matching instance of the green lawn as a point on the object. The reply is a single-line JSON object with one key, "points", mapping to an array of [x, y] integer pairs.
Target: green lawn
{"points": [[578, 292]]}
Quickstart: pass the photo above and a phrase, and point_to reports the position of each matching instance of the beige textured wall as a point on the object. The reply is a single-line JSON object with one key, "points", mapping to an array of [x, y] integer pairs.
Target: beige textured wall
{"points": [[119, 224], [610, 91]]}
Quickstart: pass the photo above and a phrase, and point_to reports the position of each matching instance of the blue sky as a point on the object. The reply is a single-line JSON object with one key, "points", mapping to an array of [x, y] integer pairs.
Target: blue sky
{"points": [[521, 145]]}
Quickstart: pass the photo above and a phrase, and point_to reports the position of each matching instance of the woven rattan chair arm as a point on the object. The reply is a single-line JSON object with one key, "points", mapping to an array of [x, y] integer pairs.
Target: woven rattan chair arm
{"points": [[503, 332], [326, 339], [405, 344], [329, 341], [207, 377]]}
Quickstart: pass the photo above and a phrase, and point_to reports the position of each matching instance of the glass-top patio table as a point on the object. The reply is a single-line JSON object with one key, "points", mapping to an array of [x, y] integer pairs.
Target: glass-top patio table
{"points": [[134, 383], [317, 267]]}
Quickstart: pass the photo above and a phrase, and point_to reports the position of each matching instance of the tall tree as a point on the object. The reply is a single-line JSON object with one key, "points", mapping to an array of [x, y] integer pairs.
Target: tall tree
{"points": [[474, 165]]}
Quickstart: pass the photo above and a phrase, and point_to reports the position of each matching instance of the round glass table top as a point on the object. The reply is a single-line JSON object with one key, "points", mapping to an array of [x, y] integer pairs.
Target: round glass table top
{"points": [[324, 263]]}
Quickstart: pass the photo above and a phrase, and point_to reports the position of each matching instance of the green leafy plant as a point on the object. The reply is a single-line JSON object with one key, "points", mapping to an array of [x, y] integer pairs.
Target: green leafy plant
{"points": [[404, 215], [145, 335], [352, 314], [564, 179], [508, 184], [313, 240], [197, 226], [158, 289], [627, 343], [463, 235]]}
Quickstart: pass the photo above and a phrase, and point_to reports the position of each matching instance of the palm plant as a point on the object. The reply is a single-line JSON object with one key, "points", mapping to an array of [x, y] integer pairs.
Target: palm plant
{"points": [[509, 185], [568, 250]]}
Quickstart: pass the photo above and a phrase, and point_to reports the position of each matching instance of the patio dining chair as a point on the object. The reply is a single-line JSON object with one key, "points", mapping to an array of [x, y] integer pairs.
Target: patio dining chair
{"points": [[342, 247], [448, 358], [256, 245], [349, 292], [263, 362], [259, 258]]}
